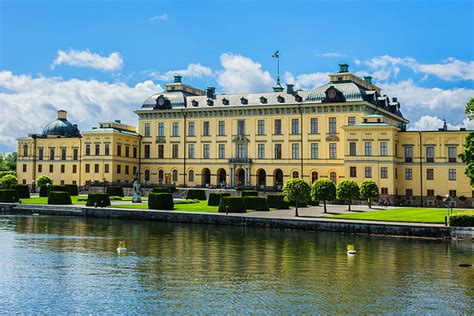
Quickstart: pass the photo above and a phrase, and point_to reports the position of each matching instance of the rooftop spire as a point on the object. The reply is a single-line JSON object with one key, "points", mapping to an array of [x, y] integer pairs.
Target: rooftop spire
{"points": [[277, 87]]}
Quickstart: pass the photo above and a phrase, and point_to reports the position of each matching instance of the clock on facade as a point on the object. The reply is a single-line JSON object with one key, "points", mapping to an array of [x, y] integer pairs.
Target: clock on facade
{"points": [[332, 93], [161, 100]]}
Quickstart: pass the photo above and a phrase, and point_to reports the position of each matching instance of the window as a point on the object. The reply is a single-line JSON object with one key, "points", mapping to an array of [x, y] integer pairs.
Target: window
{"points": [[119, 150], [368, 172], [88, 149], [191, 129], [147, 175], [205, 128], [353, 172], [332, 151], [175, 175], [161, 129], [409, 154], [384, 191], [25, 150], [191, 151], [147, 130], [240, 127], [429, 174], [332, 125], [277, 130], [383, 172], [106, 168], [175, 129], [74, 168], [295, 174], [241, 151], [295, 151], [63, 168], [40, 154], [51, 168], [63, 153], [368, 148], [352, 149], [24, 168], [221, 131], [452, 154], [205, 151], [174, 151], [261, 127], [314, 150], [127, 151], [97, 150], [191, 176], [408, 174], [96, 168], [221, 151], [88, 168], [396, 150], [383, 149], [119, 169], [161, 151], [452, 174], [134, 152], [107, 149], [396, 173], [314, 176], [295, 126], [333, 177], [51, 154], [40, 168], [261, 151], [134, 170], [430, 192], [147, 152], [127, 169], [452, 193], [351, 120], [409, 192], [277, 151], [429, 153], [314, 125]]}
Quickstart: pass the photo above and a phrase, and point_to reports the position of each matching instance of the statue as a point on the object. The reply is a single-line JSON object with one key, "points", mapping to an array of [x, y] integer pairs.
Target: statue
{"points": [[136, 196]]}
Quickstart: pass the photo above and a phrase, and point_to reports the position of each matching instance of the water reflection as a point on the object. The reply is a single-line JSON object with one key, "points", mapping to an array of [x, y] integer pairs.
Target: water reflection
{"points": [[218, 269]]}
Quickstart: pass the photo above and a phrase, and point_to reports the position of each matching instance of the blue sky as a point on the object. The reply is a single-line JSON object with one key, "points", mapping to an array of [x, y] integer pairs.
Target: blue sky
{"points": [[99, 60]]}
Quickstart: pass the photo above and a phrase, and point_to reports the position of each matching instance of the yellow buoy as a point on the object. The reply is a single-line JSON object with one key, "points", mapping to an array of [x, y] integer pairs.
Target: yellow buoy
{"points": [[351, 250], [121, 247]]}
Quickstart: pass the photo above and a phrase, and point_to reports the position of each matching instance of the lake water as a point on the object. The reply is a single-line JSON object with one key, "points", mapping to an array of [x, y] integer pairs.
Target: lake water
{"points": [[62, 265]]}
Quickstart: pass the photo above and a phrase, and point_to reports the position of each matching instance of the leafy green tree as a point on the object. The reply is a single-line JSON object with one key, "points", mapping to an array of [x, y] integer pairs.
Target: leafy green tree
{"points": [[296, 191], [8, 181], [468, 155], [470, 109], [42, 180], [8, 161], [323, 190], [347, 190], [369, 190]]}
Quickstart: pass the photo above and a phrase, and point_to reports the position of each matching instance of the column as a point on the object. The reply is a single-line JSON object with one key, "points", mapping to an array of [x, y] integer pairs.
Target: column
{"points": [[232, 176]]}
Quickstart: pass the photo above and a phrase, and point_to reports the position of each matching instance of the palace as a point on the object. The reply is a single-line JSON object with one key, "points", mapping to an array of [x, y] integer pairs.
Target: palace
{"points": [[196, 138]]}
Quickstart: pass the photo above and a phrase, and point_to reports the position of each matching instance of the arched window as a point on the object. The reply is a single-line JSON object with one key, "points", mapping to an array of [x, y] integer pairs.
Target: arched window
{"points": [[160, 175], [25, 150], [191, 176], [333, 177], [314, 176], [295, 174], [175, 175], [147, 175]]}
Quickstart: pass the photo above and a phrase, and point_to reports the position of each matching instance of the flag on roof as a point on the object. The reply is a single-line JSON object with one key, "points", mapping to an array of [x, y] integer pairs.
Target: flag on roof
{"points": [[276, 54]]}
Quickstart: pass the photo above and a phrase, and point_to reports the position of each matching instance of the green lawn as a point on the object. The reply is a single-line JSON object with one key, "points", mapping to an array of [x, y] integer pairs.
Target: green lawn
{"points": [[419, 215], [194, 207], [44, 200]]}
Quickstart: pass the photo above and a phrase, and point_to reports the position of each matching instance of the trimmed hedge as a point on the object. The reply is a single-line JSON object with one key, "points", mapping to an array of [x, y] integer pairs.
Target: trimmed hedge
{"points": [[44, 191], [160, 201], [215, 198], [462, 219], [233, 204], [23, 190], [59, 198], [303, 205], [58, 188], [9, 196], [277, 201], [115, 191], [256, 203], [99, 199], [72, 189], [249, 193], [160, 190], [196, 194]]}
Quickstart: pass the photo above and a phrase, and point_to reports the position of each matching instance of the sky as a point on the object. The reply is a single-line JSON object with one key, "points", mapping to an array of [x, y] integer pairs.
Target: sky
{"points": [[100, 60]]}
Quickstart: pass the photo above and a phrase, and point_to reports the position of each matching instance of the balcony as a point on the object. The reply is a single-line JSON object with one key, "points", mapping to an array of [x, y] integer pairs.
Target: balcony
{"points": [[160, 139], [240, 160]]}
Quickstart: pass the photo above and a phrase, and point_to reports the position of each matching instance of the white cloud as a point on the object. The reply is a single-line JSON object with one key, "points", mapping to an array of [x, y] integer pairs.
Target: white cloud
{"points": [[193, 71], [242, 74], [307, 81], [331, 54], [432, 123], [162, 17], [85, 58], [28, 103]]}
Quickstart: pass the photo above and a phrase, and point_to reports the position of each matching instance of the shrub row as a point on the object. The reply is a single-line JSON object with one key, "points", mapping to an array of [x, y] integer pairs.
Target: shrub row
{"points": [[215, 198], [256, 203], [463, 219], [249, 193], [277, 201], [9, 196], [232, 204], [115, 191], [161, 190], [98, 199], [196, 194], [160, 201], [72, 189], [23, 190], [43, 191], [59, 198]]}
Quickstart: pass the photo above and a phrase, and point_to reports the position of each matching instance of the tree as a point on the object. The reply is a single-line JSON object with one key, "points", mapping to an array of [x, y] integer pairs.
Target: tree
{"points": [[470, 109], [369, 190], [323, 190], [42, 180], [468, 155], [8, 181], [347, 190], [8, 161], [297, 191]]}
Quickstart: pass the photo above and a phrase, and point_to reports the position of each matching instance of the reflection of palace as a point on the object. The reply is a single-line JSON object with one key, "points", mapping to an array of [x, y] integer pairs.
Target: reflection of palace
{"points": [[189, 137]]}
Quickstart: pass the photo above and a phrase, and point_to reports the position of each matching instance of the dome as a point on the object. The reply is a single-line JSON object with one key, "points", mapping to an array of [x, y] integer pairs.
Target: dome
{"points": [[61, 127]]}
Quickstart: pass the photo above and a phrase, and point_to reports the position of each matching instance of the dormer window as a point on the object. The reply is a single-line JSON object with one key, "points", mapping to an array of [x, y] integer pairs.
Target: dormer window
{"points": [[244, 100], [225, 101], [298, 98], [210, 102], [281, 99], [263, 100], [194, 103]]}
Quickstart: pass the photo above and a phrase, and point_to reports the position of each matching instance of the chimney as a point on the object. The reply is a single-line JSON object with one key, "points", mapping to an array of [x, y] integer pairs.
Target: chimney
{"points": [[343, 68], [290, 88], [211, 92], [118, 121], [62, 115], [177, 79], [394, 100], [368, 79]]}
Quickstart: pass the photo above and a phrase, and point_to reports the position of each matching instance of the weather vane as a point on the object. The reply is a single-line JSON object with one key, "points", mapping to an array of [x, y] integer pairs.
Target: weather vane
{"points": [[277, 87]]}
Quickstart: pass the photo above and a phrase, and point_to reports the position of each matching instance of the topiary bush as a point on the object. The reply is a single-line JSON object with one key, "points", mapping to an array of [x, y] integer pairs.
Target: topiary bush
{"points": [[23, 190], [160, 201], [115, 191], [256, 203], [249, 193], [160, 190], [196, 194], [8, 181], [9, 196], [215, 198], [72, 189], [462, 219], [277, 201], [59, 198], [43, 191], [98, 199], [58, 188], [42, 180], [232, 204]]}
